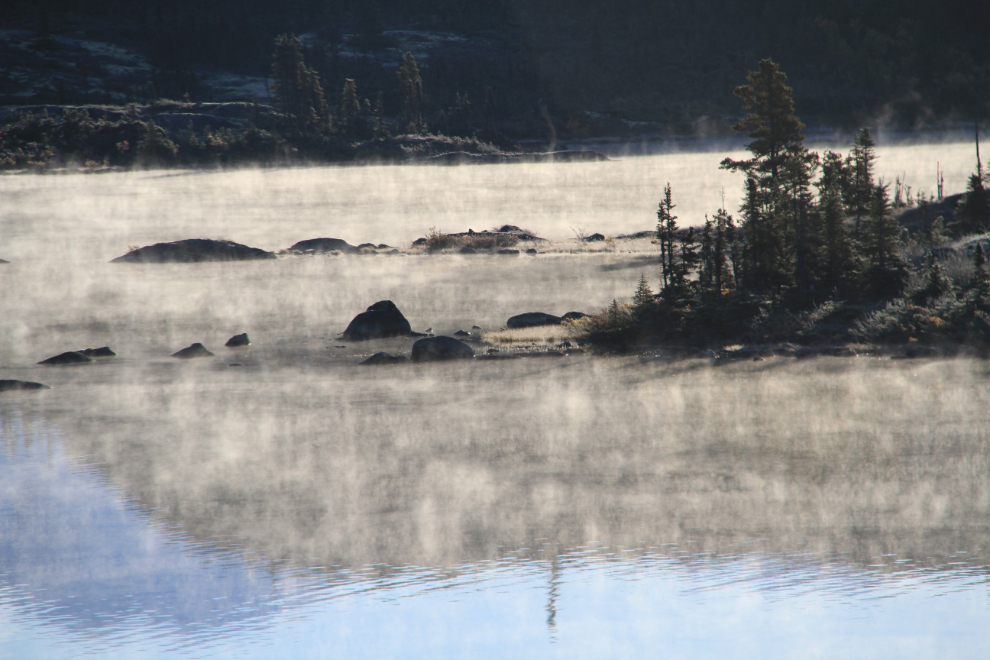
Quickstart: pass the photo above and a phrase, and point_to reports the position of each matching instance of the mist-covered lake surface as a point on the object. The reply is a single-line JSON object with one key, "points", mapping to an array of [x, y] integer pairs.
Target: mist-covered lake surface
{"points": [[299, 505]]}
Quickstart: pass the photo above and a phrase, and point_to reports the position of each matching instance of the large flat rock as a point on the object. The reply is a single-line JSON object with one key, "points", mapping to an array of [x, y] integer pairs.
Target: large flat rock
{"points": [[194, 250]]}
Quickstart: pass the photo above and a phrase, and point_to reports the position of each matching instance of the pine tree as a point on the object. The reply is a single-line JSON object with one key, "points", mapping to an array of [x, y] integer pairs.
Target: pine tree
{"points": [[349, 112], [297, 89], [838, 248], [411, 84], [644, 304], [772, 124], [861, 187], [883, 230], [666, 233], [973, 213]]}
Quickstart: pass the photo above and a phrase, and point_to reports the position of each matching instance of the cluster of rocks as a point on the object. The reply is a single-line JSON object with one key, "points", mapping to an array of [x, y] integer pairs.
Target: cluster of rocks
{"points": [[384, 320]]}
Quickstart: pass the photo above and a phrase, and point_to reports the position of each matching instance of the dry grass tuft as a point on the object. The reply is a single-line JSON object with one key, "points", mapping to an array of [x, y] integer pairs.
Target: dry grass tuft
{"points": [[541, 335]]}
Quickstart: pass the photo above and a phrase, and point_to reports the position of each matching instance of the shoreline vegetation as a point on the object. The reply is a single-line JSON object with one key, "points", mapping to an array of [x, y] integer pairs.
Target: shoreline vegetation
{"points": [[823, 255]]}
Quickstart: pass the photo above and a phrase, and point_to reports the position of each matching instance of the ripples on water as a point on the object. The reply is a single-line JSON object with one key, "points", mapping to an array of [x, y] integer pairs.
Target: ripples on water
{"points": [[300, 506]]}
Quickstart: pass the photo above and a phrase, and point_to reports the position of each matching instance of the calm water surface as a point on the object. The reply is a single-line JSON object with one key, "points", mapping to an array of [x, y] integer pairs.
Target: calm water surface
{"points": [[297, 505]]}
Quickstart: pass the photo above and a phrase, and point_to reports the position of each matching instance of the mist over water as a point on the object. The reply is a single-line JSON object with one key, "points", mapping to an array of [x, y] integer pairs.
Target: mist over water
{"points": [[300, 505]]}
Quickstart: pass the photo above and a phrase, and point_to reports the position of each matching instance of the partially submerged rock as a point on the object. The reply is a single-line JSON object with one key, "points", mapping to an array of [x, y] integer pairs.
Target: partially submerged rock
{"points": [[69, 357], [238, 341], [532, 319], [385, 358], [430, 349], [594, 238], [383, 319], [194, 250], [102, 352], [322, 245], [510, 252], [196, 350], [21, 386]]}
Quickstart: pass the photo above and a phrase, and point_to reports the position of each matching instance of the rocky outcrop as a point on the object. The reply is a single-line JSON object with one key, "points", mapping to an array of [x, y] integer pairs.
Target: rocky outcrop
{"points": [[323, 245], [196, 350], [432, 349], [21, 386], [573, 316], [193, 250], [594, 238], [102, 352], [69, 357], [532, 319], [385, 358], [383, 319], [238, 341]]}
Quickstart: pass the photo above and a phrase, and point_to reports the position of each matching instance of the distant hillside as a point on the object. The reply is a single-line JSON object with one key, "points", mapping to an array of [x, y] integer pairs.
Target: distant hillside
{"points": [[584, 68]]}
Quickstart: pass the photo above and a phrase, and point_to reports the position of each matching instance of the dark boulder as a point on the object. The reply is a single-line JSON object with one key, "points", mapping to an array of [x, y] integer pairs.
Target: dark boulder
{"points": [[383, 246], [593, 238], [102, 352], [385, 358], [196, 350], [193, 250], [573, 316], [238, 341], [320, 245], [430, 349], [4, 261], [505, 229], [532, 319], [21, 385], [531, 252], [510, 252], [367, 246], [467, 249], [69, 357], [383, 319], [462, 333]]}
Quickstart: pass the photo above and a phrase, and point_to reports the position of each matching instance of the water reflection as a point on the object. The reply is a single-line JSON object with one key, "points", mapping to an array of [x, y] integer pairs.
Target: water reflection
{"points": [[209, 508]]}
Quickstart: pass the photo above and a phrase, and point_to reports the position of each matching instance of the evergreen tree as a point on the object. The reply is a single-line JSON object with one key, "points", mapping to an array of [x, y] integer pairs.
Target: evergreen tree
{"points": [[297, 90], [667, 233], [973, 213], [838, 249], [349, 113], [886, 274], [411, 84], [883, 230], [644, 304], [772, 124], [861, 187]]}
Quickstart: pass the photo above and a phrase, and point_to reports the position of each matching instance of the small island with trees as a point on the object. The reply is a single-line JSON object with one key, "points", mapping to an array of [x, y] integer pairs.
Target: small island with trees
{"points": [[817, 257]]}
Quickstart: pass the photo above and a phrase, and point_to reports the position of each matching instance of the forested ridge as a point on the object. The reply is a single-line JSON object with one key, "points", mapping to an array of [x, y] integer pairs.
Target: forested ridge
{"points": [[848, 62]]}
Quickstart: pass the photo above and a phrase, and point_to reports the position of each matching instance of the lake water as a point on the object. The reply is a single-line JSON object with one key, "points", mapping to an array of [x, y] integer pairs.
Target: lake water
{"points": [[284, 502]]}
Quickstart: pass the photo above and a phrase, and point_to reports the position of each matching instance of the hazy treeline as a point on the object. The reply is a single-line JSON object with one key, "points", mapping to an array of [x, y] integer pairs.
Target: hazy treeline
{"points": [[638, 59]]}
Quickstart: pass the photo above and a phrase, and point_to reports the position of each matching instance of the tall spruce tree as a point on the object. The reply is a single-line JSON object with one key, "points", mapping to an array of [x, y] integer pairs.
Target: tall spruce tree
{"points": [[778, 174], [838, 249], [771, 123], [860, 190], [667, 233], [411, 84]]}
